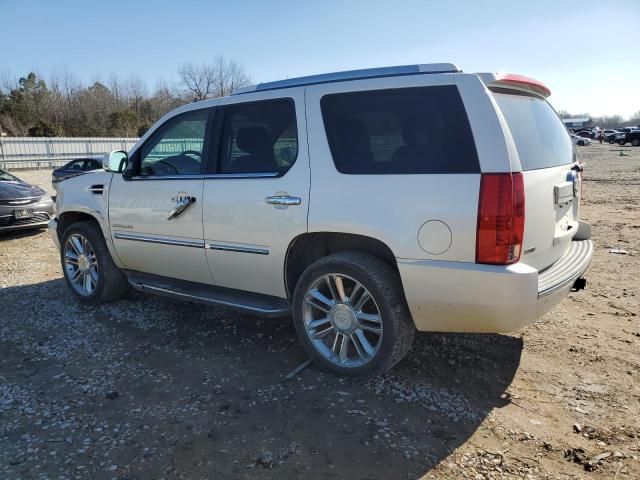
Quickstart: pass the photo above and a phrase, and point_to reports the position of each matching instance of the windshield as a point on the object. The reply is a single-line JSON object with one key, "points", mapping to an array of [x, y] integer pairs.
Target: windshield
{"points": [[7, 177], [540, 136]]}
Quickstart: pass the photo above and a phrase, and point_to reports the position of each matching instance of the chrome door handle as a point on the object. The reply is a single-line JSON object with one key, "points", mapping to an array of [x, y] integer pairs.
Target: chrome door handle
{"points": [[181, 206], [286, 200]]}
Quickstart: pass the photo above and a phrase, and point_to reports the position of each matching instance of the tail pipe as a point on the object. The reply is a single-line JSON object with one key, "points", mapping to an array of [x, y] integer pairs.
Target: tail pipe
{"points": [[579, 284]]}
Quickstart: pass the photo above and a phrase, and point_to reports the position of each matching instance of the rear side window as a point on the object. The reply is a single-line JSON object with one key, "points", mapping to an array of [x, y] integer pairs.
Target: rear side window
{"points": [[540, 136], [259, 137], [400, 131]]}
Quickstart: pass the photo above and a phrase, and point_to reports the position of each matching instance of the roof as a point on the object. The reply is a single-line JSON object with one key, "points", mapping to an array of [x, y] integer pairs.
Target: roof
{"points": [[352, 75]]}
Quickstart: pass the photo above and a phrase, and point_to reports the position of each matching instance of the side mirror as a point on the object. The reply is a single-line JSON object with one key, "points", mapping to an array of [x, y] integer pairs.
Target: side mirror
{"points": [[115, 161]]}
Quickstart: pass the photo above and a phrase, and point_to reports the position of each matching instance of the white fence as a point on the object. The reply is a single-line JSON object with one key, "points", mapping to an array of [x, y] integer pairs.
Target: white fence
{"points": [[42, 152]]}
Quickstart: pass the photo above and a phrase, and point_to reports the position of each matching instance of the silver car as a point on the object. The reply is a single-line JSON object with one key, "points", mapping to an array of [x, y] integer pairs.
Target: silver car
{"points": [[23, 205]]}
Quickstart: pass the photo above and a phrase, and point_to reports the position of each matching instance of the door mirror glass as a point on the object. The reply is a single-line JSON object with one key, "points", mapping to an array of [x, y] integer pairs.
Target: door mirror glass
{"points": [[116, 161]]}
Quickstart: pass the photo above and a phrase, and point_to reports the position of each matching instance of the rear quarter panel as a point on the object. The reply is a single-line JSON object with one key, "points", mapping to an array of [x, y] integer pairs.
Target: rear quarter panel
{"points": [[390, 208]]}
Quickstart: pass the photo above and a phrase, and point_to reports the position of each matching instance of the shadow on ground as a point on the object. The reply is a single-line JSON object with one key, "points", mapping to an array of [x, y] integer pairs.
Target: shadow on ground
{"points": [[147, 388], [17, 234]]}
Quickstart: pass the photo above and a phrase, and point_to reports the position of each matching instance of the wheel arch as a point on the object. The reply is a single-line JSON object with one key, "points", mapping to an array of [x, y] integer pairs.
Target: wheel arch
{"points": [[306, 248], [70, 216]]}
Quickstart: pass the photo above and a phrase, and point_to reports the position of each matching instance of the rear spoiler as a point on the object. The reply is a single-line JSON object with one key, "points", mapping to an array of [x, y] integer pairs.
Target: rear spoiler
{"points": [[515, 82]]}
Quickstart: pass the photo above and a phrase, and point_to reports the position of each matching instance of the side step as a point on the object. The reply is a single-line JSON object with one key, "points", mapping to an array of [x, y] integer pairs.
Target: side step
{"points": [[247, 302]]}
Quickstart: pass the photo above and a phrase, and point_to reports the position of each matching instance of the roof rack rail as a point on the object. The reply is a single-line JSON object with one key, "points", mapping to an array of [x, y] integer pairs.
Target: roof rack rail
{"points": [[351, 75]]}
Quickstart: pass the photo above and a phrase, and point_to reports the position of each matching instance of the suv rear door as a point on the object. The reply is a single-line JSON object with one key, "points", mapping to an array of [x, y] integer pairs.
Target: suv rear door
{"points": [[551, 180], [256, 191]]}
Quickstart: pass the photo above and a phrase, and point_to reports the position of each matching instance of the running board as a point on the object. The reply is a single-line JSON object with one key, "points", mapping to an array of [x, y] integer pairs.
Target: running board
{"points": [[247, 302]]}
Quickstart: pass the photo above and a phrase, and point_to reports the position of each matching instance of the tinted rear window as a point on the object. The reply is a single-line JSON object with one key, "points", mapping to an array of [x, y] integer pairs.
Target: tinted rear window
{"points": [[540, 136], [400, 131]]}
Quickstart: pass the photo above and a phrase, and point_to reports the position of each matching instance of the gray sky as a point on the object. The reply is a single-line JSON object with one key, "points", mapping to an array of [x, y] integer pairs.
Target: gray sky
{"points": [[585, 51]]}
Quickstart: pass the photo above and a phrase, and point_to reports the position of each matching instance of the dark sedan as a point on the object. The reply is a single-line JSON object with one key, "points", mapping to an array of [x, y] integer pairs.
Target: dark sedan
{"points": [[23, 205], [73, 168]]}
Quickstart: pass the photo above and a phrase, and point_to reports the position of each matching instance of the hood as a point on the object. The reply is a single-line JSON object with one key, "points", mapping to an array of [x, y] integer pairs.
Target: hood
{"points": [[13, 190]]}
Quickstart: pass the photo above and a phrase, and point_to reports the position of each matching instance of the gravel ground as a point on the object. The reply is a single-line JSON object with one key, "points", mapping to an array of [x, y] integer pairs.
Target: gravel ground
{"points": [[151, 388]]}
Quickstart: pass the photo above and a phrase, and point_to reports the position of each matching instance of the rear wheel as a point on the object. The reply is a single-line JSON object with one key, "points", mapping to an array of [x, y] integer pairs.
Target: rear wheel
{"points": [[621, 142], [351, 316], [87, 265], [581, 143], [635, 142]]}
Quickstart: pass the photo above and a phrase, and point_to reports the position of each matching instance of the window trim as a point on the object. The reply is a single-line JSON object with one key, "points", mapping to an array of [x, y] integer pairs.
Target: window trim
{"points": [[134, 162], [214, 166], [329, 141]]}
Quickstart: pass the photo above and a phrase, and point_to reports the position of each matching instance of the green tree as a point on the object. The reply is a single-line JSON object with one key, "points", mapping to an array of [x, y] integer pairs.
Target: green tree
{"points": [[46, 129], [123, 123]]}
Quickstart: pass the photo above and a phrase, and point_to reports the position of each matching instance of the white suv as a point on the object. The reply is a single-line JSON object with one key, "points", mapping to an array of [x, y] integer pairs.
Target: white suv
{"points": [[367, 204]]}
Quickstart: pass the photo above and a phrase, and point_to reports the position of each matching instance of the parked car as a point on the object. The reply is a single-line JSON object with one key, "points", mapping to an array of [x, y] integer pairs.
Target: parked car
{"points": [[585, 134], [632, 137], [339, 199], [610, 134], [580, 140], [22, 205], [73, 168]]}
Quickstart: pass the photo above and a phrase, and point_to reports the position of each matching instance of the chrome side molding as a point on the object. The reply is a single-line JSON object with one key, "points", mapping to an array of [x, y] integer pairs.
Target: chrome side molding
{"points": [[237, 248], [161, 240]]}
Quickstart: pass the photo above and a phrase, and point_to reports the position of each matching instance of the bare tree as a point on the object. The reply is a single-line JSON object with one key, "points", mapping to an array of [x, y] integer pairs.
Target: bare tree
{"points": [[198, 80], [229, 75], [217, 79]]}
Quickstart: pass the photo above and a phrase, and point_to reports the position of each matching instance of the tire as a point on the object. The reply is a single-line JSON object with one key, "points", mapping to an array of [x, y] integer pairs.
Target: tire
{"points": [[621, 142], [581, 143], [108, 282], [612, 142], [635, 142], [393, 319]]}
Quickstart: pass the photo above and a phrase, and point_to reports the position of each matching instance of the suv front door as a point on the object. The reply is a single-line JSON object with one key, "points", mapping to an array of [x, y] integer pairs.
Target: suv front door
{"points": [[155, 208]]}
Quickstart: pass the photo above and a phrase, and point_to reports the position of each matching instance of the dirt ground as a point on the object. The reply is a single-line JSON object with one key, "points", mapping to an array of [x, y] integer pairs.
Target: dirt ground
{"points": [[149, 388]]}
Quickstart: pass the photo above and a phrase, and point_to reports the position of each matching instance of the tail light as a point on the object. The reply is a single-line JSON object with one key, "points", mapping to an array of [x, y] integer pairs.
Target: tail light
{"points": [[500, 218]]}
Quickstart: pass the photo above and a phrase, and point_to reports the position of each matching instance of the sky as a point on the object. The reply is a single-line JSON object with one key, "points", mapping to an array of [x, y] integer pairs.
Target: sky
{"points": [[585, 51]]}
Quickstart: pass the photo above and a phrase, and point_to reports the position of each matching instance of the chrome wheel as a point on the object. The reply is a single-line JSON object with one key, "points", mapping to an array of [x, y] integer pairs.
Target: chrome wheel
{"points": [[342, 320], [80, 264]]}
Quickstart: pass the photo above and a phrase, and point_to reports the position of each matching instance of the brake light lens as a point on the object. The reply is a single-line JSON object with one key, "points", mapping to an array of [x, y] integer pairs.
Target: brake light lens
{"points": [[500, 218]]}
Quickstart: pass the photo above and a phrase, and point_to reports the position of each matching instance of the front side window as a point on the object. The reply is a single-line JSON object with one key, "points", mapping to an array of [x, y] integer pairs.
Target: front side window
{"points": [[259, 137], [400, 131], [177, 148]]}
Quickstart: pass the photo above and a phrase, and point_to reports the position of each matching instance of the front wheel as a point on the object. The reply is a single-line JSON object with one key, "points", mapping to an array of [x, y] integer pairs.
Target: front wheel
{"points": [[621, 142], [87, 265], [351, 316], [635, 142]]}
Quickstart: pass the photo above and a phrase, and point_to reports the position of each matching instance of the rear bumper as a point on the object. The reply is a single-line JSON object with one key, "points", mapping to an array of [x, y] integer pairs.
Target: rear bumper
{"points": [[466, 297]]}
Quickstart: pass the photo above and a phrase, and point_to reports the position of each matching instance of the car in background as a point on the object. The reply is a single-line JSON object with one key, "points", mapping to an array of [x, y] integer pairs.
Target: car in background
{"points": [[610, 134], [632, 137], [585, 134], [580, 140], [23, 205], [74, 168]]}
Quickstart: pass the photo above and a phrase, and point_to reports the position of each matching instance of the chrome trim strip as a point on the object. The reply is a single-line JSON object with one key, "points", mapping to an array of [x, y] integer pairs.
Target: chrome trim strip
{"points": [[223, 303], [161, 240], [208, 176], [237, 248]]}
